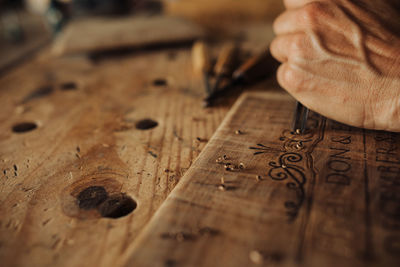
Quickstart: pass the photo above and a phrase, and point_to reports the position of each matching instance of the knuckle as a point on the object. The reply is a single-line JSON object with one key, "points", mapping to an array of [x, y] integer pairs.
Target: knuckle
{"points": [[275, 25], [289, 79], [312, 11], [298, 44], [299, 48], [273, 47]]}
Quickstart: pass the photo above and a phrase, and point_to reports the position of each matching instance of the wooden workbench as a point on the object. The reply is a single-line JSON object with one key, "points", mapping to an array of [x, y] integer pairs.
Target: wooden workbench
{"points": [[76, 130], [92, 149]]}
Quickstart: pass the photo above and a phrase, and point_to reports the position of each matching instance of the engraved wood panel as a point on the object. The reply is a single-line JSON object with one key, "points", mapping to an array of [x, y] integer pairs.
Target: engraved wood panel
{"points": [[328, 197]]}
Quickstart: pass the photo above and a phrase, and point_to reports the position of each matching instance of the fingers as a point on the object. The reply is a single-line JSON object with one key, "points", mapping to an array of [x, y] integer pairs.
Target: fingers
{"points": [[321, 95], [287, 22], [307, 16], [302, 85], [295, 47], [291, 79]]}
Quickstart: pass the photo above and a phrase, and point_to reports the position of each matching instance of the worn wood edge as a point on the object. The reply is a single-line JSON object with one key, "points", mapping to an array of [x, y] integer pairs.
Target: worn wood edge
{"points": [[185, 179]]}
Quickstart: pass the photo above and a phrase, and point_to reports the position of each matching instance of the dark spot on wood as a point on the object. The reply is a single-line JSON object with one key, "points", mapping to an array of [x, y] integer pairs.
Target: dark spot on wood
{"points": [[167, 236], [91, 197], [170, 263], [117, 206], [38, 93], [160, 82], [274, 256], [223, 187], [154, 155], [68, 86], [201, 140], [209, 231], [15, 167], [146, 124], [171, 56], [185, 237], [180, 236], [24, 127]]}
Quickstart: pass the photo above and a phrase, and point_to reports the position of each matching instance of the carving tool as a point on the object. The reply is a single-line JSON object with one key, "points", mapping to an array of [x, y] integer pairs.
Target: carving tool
{"points": [[202, 63], [255, 68], [223, 67], [300, 119], [225, 63]]}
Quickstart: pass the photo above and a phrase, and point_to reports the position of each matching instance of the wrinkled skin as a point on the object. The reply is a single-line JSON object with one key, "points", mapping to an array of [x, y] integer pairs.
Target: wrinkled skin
{"points": [[341, 58]]}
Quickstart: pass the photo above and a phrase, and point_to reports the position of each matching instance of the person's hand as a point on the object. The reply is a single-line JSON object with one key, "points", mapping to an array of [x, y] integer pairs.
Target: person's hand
{"points": [[341, 58]]}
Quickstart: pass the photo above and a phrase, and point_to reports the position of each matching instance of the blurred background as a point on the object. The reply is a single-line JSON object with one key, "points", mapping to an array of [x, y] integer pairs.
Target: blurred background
{"points": [[28, 25]]}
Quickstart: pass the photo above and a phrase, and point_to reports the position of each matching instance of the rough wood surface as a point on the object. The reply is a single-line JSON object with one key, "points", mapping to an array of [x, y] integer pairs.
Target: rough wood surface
{"points": [[86, 111], [325, 198], [87, 114], [100, 34]]}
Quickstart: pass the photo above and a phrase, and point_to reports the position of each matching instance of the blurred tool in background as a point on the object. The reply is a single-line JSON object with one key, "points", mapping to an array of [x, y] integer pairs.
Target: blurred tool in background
{"points": [[228, 71], [226, 62], [12, 30], [210, 13], [58, 12], [202, 63], [21, 33], [254, 68]]}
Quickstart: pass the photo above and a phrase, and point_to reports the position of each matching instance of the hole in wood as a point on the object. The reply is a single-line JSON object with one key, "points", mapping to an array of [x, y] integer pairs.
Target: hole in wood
{"points": [[159, 82], [68, 86], [91, 197], [24, 127], [116, 206], [146, 124]]}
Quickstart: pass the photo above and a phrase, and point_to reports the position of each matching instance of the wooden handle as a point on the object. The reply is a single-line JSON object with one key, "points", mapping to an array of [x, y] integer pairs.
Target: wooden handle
{"points": [[201, 58], [260, 65], [226, 60], [255, 63]]}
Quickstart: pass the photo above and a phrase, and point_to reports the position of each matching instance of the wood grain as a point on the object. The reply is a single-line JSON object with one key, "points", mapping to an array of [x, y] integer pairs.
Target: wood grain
{"points": [[86, 110], [328, 197], [86, 114]]}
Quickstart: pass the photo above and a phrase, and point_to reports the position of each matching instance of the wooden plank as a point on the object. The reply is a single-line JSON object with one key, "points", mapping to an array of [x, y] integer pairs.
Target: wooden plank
{"points": [[101, 34], [94, 104], [86, 115], [325, 198]]}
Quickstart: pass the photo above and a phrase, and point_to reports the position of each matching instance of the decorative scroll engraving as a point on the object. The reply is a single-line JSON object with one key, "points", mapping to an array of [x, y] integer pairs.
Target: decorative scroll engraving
{"points": [[261, 149], [286, 169], [296, 148], [293, 141]]}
